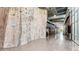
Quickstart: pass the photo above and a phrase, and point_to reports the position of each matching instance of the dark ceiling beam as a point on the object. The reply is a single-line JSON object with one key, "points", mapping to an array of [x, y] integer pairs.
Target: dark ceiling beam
{"points": [[57, 20], [57, 17], [63, 8], [42, 7], [61, 13]]}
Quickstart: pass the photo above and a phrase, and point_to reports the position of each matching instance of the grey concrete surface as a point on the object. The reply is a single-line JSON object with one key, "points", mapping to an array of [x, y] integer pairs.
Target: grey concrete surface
{"points": [[53, 43]]}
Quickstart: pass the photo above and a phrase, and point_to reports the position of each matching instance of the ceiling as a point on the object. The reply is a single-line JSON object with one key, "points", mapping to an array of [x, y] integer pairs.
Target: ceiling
{"points": [[56, 11]]}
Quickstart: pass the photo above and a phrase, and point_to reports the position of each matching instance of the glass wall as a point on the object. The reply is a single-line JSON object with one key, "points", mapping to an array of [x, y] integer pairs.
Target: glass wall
{"points": [[75, 24]]}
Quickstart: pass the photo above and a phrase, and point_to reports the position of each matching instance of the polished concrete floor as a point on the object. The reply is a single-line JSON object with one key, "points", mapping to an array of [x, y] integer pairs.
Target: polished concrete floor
{"points": [[56, 42]]}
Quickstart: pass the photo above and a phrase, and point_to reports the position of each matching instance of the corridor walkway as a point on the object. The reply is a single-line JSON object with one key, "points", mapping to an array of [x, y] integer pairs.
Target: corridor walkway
{"points": [[52, 43]]}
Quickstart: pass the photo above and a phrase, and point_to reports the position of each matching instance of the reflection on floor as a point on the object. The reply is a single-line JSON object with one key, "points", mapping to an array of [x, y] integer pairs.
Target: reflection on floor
{"points": [[52, 43]]}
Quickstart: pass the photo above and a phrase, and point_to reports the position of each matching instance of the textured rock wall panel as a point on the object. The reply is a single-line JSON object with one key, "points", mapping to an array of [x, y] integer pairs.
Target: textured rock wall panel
{"points": [[3, 16], [38, 24], [13, 28], [25, 25], [26, 17], [33, 24]]}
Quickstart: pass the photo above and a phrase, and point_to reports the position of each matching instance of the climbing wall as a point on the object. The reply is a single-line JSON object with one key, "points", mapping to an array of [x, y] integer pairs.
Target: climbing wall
{"points": [[33, 24], [38, 24], [26, 17], [12, 28], [3, 19], [25, 25]]}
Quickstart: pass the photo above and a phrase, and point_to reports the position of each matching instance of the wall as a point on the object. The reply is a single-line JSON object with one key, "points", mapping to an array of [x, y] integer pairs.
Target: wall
{"points": [[12, 28], [67, 23], [25, 25], [3, 19], [38, 24], [74, 12]]}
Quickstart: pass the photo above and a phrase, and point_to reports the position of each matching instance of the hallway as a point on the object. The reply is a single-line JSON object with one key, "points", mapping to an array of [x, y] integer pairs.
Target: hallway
{"points": [[39, 29], [53, 43]]}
